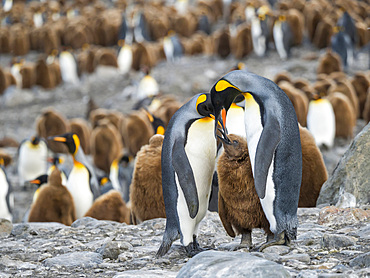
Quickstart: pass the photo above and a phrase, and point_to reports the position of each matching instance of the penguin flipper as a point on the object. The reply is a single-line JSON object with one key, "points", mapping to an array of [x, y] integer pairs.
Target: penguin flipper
{"points": [[270, 138], [181, 164]]}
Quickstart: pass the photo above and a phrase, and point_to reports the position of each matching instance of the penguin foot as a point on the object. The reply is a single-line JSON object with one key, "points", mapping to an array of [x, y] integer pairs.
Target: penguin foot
{"points": [[191, 250], [246, 241], [279, 239]]}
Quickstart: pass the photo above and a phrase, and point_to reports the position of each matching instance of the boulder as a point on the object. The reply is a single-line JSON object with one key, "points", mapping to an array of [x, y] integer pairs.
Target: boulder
{"points": [[231, 264], [351, 174]]}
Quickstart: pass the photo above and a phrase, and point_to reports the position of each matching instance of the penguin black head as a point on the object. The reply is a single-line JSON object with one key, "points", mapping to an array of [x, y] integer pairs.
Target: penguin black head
{"points": [[157, 123], [56, 160], [204, 106], [70, 139], [223, 94], [40, 180], [35, 140]]}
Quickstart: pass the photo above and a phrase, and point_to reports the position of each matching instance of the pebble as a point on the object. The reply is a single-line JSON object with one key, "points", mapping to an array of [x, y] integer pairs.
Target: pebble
{"points": [[6, 227], [337, 241]]}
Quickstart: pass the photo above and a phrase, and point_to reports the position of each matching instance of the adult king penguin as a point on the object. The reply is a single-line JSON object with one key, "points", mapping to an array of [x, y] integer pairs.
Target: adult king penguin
{"points": [[6, 194], [188, 161], [274, 145], [82, 181]]}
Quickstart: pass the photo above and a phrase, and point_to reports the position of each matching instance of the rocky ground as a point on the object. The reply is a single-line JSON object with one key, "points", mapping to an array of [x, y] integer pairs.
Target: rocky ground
{"points": [[331, 242]]}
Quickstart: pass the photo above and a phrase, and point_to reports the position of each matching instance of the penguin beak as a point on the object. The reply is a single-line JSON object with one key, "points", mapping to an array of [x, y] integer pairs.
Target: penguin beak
{"points": [[224, 139], [35, 181], [58, 139]]}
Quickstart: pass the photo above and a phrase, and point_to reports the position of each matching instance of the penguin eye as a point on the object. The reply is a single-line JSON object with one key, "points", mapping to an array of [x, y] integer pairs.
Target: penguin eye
{"points": [[235, 142]]}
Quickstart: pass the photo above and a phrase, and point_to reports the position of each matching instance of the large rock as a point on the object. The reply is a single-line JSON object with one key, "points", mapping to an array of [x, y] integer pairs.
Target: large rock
{"points": [[231, 264], [81, 259], [351, 174]]}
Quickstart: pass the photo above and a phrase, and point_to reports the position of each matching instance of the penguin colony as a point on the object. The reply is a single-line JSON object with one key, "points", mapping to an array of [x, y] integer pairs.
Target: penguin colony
{"points": [[76, 38], [141, 35]]}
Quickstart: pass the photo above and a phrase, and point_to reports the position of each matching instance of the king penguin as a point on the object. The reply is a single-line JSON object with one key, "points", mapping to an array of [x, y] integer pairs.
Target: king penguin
{"points": [[68, 67], [188, 162], [321, 121], [32, 159], [283, 37], [82, 181], [260, 32], [6, 194], [120, 174], [274, 146]]}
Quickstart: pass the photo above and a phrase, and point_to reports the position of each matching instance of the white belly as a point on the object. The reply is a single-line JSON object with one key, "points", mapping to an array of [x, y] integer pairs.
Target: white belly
{"points": [[201, 152], [4, 187], [278, 38], [32, 162], [68, 68], [253, 127], [124, 59], [321, 122], [79, 187]]}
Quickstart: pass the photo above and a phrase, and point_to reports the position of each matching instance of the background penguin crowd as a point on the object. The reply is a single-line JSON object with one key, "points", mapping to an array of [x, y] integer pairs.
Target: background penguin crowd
{"points": [[74, 40]]}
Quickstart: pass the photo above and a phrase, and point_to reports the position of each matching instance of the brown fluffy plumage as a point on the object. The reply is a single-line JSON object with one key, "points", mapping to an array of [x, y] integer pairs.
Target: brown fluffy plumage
{"points": [[146, 195], [54, 203], [110, 206], [222, 42], [28, 75], [136, 131], [241, 44], [239, 207], [299, 100], [345, 117], [106, 145], [329, 63], [361, 84], [282, 76], [345, 87], [82, 129], [52, 123], [106, 57], [366, 112], [314, 172], [5, 157], [323, 34]]}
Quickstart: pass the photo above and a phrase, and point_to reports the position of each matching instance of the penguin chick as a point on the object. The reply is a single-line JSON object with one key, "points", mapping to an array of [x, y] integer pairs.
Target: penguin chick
{"points": [[32, 159], [146, 195], [6, 194], [83, 131], [52, 123], [239, 207], [54, 203], [110, 206], [106, 145], [345, 117], [329, 63], [314, 172]]}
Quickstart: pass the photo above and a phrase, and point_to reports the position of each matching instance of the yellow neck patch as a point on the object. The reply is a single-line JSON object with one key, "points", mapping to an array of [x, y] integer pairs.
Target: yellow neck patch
{"points": [[205, 120], [160, 130], [77, 164], [223, 85], [77, 142]]}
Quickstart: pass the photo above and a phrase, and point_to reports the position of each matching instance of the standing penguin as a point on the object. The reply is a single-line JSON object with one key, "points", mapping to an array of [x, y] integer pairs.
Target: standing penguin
{"points": [[188, 162], [6, 194], [321, 121], [260, 33], [274, 146], [283, 37], [68, 67], [82, 181], [32, 159]]}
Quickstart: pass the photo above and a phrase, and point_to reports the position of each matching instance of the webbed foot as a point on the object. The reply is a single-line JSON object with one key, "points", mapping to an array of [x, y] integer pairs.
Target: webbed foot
{"points": [[279, 239]]}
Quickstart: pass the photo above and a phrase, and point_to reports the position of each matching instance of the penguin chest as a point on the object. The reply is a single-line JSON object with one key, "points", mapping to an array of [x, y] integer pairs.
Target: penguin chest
{"points": [[68, 67], [124, 59], [78, 185], [4, 188], [201, 149], [32, 162], [321, 122], [235, 122], [113, 176], [278, 38]]}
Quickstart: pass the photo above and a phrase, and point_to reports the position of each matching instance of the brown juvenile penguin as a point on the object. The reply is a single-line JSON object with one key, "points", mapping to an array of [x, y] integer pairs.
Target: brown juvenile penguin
{"points": [[345, 117], [328, 63], [105, 145], [222, 42], [282, 76], [82, 129], [345, 87], [146, 195], [136, 131], [299, 100], [106, 57], [44, 76], [323, 34], [52, 123], [28, 75], [314, 172], [239, 207], [241, 44], [361, 84], [110, 206], [54, 203]]}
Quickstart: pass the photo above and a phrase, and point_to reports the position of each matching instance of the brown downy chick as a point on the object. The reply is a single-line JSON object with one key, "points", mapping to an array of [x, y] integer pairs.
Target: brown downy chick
{"points": [[54, 203]]}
